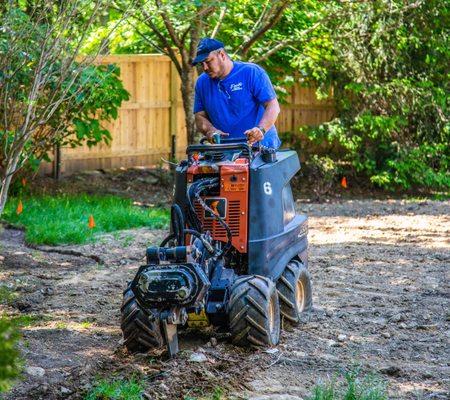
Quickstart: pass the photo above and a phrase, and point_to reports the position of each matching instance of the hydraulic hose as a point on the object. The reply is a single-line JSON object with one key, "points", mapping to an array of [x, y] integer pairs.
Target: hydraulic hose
{"points": [[177, 223], [221, 222]]}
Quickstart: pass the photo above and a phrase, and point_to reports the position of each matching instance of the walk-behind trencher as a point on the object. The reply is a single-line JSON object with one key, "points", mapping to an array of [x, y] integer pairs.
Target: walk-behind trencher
{"points": [[236, 257]]}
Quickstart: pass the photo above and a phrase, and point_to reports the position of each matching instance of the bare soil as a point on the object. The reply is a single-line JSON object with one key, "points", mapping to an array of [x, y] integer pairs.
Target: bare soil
{"points": [[381, 301]]}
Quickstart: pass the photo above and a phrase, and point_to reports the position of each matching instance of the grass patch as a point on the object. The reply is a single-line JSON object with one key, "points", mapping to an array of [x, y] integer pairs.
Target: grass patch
{"points": [[351, 387], [7, 296], [116, 390], [10, 362], [28, 320], [64, 219]]}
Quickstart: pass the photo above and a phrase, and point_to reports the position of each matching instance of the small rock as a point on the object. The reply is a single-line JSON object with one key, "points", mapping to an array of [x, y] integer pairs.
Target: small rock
{"points": [[35, 371], [427, 375], [47, 291], [402, 325], [198, 357], [330, 357], [332, 343], [299, 354], [342, 337], [397, 318], [22, 305], [271, 351], [213, 342], [64, 390], [390, 370], [328, 313], [386, 335], [164, 387], [208, 374]]}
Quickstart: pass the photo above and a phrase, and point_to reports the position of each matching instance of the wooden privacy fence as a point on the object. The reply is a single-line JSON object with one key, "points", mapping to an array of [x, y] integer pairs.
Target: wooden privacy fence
{"points": [[143, 131]]}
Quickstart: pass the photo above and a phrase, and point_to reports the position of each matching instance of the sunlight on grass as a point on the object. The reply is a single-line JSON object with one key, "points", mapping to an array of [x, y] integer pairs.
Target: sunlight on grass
{"points": [[29, 320], [352, 387], [64, 219], [116, 390]]}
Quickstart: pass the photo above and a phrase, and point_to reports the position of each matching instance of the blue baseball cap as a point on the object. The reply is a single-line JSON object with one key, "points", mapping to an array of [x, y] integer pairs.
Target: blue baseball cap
{"points": [[206, 46]]}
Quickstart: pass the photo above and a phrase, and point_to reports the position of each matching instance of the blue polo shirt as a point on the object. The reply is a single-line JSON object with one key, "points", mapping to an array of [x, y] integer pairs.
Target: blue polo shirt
{"points": [[235, 103]]}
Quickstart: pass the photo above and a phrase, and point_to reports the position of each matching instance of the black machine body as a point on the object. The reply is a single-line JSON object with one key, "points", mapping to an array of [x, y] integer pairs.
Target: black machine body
{"points": [[236, 252]]}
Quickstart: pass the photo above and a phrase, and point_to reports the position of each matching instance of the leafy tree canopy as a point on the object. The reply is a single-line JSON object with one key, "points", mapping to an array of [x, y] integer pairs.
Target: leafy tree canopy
{"points": [[386, 64]]}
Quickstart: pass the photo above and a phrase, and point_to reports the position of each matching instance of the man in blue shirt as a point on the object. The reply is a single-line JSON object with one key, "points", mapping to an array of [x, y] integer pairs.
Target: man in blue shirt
{"points": [[233, 98]]}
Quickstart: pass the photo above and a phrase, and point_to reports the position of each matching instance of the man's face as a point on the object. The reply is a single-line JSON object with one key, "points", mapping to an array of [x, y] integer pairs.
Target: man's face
{"points": [[214, 64]]}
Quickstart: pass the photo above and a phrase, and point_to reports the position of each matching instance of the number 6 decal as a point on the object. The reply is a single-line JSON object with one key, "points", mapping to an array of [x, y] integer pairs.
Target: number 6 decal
{"points": [[267, 188]]}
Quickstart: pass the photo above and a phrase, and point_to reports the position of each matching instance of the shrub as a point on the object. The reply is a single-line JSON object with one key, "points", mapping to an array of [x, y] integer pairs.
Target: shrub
{"points": [[387, 65]]}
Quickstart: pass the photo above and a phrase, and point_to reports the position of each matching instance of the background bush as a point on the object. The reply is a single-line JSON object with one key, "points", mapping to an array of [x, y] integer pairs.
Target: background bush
{"points": [[386, 65]]}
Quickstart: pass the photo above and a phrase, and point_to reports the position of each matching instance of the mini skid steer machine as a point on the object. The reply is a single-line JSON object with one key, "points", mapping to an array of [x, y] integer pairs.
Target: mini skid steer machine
{"points": [[236, 257]]}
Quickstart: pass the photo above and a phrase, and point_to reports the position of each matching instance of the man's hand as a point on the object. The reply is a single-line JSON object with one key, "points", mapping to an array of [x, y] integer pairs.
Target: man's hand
{"points": [[254, 135], [211, 132]]}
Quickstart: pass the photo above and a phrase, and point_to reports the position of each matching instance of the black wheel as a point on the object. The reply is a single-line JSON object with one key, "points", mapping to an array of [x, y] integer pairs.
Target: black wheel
{"points": [[141, 330], [254, 312], [295, 291]]}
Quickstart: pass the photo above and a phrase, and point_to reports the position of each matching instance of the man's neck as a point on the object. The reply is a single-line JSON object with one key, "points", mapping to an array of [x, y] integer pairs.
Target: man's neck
{"points": [[228, 67]]}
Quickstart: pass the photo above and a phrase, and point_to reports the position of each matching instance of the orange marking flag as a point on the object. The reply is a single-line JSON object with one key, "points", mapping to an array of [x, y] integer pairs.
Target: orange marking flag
{"points": [[91, 223], [344, 182], [19, 208]]}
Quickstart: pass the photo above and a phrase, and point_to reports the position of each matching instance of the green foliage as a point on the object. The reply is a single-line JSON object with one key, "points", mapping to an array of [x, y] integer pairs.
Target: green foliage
{"points": [[237, 24], [387, 65], [353, 388], [73, 98], [99, 99], [116, 390], [323, 172], [7, 296], [28, 320], [10, 363], [64, 219]]}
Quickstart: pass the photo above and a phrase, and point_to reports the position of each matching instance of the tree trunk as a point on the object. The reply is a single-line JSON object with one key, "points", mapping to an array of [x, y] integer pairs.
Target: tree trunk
{"points": [[10, 169], [187, 93]]}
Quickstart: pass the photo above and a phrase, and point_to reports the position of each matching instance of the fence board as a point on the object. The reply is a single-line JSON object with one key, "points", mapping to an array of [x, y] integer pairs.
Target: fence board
{"points": [[142, 133]]}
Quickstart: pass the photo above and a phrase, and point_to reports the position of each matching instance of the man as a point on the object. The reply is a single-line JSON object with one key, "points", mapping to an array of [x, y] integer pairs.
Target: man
{"points": [[233, 98]]}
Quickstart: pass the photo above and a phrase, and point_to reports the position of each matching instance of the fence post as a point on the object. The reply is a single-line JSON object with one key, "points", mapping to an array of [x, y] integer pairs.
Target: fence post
{"points": [[174, 93], [56, 167]]}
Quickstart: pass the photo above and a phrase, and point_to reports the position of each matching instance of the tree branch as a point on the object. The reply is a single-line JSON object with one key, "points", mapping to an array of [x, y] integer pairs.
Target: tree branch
{"points": [[219, 21], [287, 42], [272, 21], [168, 24]]}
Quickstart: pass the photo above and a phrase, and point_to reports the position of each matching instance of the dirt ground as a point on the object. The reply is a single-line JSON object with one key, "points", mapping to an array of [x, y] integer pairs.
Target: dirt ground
{"points": [[381, 301]]}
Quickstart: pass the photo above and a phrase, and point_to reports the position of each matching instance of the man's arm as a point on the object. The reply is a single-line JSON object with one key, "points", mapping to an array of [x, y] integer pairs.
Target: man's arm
{"points": [[205, 126], [272, 109]]}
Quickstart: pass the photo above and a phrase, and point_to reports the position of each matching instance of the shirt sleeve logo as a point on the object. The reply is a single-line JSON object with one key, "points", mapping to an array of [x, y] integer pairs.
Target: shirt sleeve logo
{"points": [[236, 86]]}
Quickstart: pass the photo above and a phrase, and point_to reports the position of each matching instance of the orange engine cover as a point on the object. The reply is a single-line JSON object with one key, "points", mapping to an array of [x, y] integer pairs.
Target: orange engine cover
{"points": [[231, 202]]}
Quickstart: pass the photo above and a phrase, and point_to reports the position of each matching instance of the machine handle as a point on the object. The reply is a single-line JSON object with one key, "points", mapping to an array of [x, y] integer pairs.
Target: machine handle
{"points": [[218, 147]]}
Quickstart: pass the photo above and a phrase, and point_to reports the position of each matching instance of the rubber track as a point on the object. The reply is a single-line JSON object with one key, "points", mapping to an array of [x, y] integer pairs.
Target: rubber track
{"points": [[249, 324], [141, 332]]}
